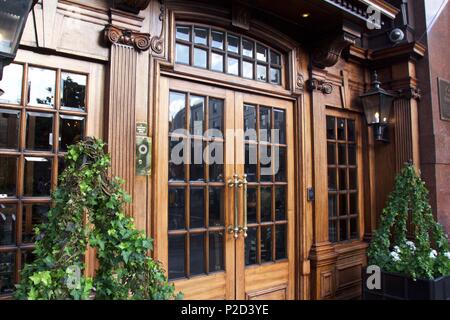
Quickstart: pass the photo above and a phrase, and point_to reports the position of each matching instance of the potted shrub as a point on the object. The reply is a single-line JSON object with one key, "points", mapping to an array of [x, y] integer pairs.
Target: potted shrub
{"points": [[414, 264]]}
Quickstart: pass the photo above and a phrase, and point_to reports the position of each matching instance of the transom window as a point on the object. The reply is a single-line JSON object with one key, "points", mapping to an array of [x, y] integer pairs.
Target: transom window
{"points": [[225, 52], [42, 112], [343, 208]]}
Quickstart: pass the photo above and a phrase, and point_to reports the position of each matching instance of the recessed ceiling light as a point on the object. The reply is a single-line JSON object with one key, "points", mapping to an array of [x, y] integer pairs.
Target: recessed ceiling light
{"points": [[306, 15]]}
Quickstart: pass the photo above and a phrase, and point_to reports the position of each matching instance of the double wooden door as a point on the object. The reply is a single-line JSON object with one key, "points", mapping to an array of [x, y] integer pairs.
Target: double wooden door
{"points": [[223, 186]]}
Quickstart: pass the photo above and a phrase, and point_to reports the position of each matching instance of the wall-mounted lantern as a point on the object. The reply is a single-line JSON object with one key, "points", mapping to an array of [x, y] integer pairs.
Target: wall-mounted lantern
{"points": [[13, 17], [377, 104]]}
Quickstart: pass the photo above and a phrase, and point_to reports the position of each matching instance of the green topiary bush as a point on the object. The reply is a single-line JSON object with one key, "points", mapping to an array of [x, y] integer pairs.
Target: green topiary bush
{"points": [[426, 255], [88, 209]]}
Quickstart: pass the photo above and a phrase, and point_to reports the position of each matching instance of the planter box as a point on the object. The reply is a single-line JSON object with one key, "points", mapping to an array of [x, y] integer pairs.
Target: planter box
{"points": [[400, 287]]}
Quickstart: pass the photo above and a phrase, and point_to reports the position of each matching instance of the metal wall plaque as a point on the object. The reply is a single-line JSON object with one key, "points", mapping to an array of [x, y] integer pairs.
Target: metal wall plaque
{"points": [[141, 129], [444, 98]]}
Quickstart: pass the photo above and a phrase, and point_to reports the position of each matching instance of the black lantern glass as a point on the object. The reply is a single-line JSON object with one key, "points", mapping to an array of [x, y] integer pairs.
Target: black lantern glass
{"points": [[13, 16], [377, 104]]}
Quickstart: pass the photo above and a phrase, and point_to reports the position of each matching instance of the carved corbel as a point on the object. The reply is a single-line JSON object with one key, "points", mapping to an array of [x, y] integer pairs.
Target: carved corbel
{"points": [[300, 82], [410, 93], [115, 35], [319, 85], [327, 53]]}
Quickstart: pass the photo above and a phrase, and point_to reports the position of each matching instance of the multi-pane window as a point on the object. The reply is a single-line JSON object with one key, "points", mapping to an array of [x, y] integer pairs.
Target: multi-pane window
{"points": [[265, 165], [343, 208], [41, 112], [225, 52], [196, 187]]}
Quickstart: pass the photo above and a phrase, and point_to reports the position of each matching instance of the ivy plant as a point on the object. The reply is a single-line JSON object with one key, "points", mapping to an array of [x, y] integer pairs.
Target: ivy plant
{"points": [[88, 210], [424, 251]]}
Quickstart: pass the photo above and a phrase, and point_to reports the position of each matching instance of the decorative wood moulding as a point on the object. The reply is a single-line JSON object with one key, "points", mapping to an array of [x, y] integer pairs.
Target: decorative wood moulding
{"points": [[410, 93], [319, 85], [140, 41], [134, 6], [327, 53], [240, 16], [300, 82]]}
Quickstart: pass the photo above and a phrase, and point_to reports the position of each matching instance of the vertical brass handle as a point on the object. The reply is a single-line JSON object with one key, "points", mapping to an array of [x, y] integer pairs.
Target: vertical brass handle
{"points": [[245, 183], [234, 183]]}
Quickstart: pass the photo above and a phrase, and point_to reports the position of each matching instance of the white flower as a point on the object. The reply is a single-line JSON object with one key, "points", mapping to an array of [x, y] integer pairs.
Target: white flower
{"points": [[447, 254], [397, 249], [411, 245], [433, 254], [395, 256]]}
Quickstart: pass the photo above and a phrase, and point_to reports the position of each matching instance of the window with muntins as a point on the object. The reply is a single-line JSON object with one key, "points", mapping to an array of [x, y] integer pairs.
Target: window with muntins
{"points": [[226, 52], [42, 112], [343, 208]]}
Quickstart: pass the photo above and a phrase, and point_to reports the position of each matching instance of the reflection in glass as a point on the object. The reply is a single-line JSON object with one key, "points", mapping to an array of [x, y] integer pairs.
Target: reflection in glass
{"points": [[177, 249], [27, 257], [217, 39], [251, 248], [247, 69], [73, 90], [38, 173], [200, 58], [251, 161], [197, 254], [39, 131], [233, 44], [266, 244], [61, 166], [266, 166], [247, 48], [8, 172], [9, 129], [261, 52], [343, 179], [280, 203], [176, 218], [275, 75], [332, 186], [216, 161], [331, 153], [233, 66], [341, 129], [196, 167], [12, 84], [332, 205], [332, 231], [281, 241], [71, 130], [352, 154], [215, 118], [331, 131], [353, 228], [33, 215], [217, 62], [280, 164], [342, 154], [182, 53], [266, 204], [275, 58], [252, 204], [216, 252], [351, 130], [176, 157], [197, 211], [250, 122], [8, 220], [197, 115], [261, 71], [7, 272], [264, 124], [41, 86], [201, 36], [352, 177], [177, 111], [216, 206], [183, 33], [280, 125]]}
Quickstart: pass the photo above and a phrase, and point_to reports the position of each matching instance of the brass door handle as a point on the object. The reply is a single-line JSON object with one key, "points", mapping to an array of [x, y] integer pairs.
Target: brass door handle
{"points": [[245, 227], [234, 183]]}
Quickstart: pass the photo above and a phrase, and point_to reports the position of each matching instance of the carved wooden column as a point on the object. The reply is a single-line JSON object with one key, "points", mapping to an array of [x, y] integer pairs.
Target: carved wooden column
{"points": [[126, 44]]}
